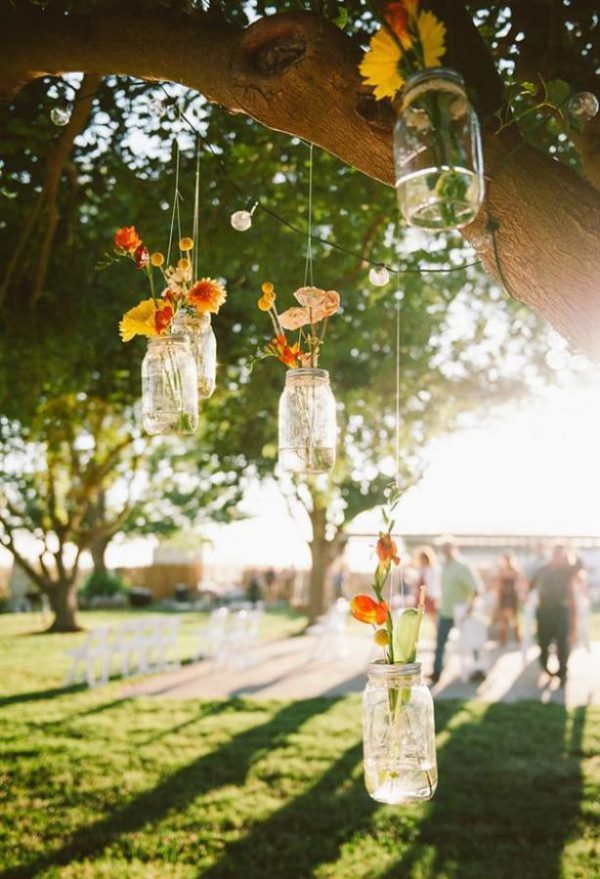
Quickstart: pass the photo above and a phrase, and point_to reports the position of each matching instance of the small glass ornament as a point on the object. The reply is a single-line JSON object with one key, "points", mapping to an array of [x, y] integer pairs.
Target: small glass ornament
{"points": [[379, 276], [307, 424], [398, 735], [583, 106], [60, 115], [241, 220], [169, 386], [437, 152], [197, 327]]}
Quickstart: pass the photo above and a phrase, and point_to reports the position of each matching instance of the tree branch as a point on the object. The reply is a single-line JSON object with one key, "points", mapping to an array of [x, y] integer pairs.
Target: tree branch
{"points": [[298, 73]]}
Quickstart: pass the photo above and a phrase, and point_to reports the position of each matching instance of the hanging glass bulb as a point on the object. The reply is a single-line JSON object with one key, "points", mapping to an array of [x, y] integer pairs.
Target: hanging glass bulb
{"points": [[379, 276], [60, 115], [241, 220], [583, 106]]}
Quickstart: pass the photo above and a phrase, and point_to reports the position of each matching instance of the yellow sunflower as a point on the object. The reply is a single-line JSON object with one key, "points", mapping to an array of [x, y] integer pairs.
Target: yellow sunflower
{"points": [[379, 67], [139, 321], [431, 34]]}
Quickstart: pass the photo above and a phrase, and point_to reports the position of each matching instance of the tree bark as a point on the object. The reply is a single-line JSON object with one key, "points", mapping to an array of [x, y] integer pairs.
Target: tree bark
{"points": [[98, 549], [323, 554], [296, 72], [63, 602]]}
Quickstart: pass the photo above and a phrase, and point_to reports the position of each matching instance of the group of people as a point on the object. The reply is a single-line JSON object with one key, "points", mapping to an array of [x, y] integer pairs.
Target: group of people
{"points": [[554, 585]]}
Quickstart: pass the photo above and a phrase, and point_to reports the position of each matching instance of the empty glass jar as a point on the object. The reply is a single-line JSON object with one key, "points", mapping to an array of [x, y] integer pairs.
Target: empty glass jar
{"points": [[169, 386], [203, 345], [437, 152], [398, 735], [307, 426]]}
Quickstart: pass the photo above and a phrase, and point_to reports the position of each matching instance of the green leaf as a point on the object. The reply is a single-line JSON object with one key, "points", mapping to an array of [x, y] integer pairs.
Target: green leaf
{"points": [[557, 92], [406, 635]]}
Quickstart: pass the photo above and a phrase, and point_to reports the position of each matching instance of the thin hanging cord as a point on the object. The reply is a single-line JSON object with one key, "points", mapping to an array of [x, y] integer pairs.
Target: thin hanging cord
{"points": [[196, 211], [308, 268], [397, 440], [175, 210]]}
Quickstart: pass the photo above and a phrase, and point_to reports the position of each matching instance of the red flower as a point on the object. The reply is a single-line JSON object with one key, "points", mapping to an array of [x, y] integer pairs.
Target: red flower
{"points": [[163, 318], [387, 551], [367, 610], [398, 16], [141, 256], [127, 239], [288, 354]]}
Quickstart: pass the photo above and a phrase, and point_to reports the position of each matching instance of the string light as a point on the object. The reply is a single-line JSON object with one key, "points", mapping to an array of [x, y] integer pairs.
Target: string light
{"points": [[60, 115], [379, 276], [242, 220], [583, 106]]}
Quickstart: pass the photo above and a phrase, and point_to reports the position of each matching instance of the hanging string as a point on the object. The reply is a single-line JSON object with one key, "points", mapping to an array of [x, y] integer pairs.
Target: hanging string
{"points": [[195, 226], [397, 441], [308, 268], [175, 211]]}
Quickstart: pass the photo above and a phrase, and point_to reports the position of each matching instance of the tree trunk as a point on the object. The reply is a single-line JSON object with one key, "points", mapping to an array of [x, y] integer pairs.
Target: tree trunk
{"points": [[98, 548], [323, 553], [63, 602], [298, 73]]}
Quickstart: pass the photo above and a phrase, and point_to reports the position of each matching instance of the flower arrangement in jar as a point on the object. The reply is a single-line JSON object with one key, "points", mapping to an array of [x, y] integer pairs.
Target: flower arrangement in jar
{"points": [[307, 416]]}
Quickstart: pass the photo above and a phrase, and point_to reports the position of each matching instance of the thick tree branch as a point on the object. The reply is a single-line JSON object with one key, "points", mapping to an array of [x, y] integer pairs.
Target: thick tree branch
{"points": [[297, 73]]}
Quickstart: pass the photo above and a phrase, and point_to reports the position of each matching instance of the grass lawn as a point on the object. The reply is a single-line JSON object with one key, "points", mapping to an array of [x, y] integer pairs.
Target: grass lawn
{"points": [[95, 786]]}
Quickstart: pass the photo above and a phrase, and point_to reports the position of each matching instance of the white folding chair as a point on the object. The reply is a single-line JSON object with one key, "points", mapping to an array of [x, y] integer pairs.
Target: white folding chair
{"points": [[93, 652]]}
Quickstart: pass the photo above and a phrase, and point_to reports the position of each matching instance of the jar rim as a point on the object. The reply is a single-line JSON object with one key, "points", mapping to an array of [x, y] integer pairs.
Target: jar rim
{"points": [[420, 76], [382, 669], [170, 337], [315, 371]]}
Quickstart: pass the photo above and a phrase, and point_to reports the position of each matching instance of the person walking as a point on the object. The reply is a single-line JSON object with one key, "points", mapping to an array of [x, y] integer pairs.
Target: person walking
{"points": [[458, 586], [507, 602], [427, 575], [556, 608]]}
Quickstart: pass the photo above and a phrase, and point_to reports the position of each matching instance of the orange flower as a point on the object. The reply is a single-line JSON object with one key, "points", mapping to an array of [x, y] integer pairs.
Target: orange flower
{"points": [[163, 318], [141, 256], [127, 239], [398, 17], [366, 610], [387, 551], [206, 295], [288, 354], [294, 318]]}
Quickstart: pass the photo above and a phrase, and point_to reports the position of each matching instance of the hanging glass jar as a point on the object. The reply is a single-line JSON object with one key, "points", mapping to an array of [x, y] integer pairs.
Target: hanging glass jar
{"points": [[437, 152], [307, 426], [169, 386], [398, 735], [204, 347]]}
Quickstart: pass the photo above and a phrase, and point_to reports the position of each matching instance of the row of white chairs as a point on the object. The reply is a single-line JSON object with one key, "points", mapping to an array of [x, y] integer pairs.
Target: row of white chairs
{"points": [[139, 646], [230, 637]]}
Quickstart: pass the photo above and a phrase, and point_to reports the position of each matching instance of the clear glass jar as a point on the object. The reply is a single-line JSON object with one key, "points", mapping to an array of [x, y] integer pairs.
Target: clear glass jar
{"points": [[398, 735], [169, 386], [437, 152], [307, 426], [203, 345]]}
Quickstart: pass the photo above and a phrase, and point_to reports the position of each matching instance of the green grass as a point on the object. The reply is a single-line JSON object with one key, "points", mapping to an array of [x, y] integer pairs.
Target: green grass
{"points": [[97, 786]]}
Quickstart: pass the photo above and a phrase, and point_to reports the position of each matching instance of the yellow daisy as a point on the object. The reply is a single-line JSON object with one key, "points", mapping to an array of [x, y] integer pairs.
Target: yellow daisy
{"points": [[379, 67], [431, 34], [139, 321]]}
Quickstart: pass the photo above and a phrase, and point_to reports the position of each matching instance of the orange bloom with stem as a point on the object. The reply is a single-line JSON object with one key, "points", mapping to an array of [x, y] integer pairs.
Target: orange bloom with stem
{"points": [[387, 551], [127, 239], [398, 17], [288, 354], [206, 295], [366, 610]]}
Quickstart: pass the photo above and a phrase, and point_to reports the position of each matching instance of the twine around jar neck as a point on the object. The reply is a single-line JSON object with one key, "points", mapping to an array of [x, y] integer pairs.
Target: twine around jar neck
{"points": [[202, 317], [170, 338], [307, 373], [442, 79], [389, 671]]}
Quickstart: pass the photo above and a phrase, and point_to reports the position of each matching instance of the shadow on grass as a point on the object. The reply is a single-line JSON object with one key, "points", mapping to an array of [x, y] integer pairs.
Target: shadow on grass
{"points": [[508, 798], [310, 829], [39, 695], [227, 765]]}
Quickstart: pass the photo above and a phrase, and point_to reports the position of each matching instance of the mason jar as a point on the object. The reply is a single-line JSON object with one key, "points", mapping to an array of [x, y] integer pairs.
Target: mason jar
{"points": [[398, 735], [204, 347], [169, 386], [307, 426], [437, 152]]}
